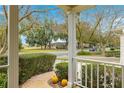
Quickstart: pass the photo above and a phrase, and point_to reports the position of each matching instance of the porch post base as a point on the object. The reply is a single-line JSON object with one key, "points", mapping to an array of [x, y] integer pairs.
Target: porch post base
{"points": [[70, 85]]}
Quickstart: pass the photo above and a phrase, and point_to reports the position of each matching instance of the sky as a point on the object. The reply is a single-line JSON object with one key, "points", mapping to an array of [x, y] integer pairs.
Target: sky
{"points": [[58, 18], [92, 11], [54, 14]]}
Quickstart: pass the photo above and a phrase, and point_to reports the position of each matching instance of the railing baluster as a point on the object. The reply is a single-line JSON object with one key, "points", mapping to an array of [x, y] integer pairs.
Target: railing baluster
{"points": [[91, 75], [122, 77], [105, 64], [77, 72], [86, 74], [113, 76], [81, 74], [104, 75], [97, 75]]}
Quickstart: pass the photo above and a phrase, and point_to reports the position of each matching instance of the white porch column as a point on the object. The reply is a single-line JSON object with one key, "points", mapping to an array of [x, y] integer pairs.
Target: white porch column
{"points": [[71, 47], [13, 47], [122, 48], [122, 56]]}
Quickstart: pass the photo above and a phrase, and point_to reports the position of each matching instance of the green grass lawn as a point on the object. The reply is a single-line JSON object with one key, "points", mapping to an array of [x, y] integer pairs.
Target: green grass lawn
{"points": [[36, 50], [63, 58]]}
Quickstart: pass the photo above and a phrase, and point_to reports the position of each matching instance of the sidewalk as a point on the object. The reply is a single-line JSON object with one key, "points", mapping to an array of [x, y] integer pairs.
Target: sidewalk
{"points": [[39, 81]]}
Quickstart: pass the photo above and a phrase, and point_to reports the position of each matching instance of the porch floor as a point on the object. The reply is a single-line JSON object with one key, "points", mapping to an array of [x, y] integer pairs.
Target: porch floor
{"points": [[39, 81]]}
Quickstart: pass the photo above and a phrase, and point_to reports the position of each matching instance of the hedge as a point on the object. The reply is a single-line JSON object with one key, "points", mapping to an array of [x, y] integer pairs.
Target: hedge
{"points": [[33, 64], [112, 53], [3, 78], [88, 53], [62, 70]]}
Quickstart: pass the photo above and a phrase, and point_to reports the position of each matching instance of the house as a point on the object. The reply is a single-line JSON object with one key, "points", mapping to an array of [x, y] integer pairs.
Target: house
{"points": [[59, 44]]}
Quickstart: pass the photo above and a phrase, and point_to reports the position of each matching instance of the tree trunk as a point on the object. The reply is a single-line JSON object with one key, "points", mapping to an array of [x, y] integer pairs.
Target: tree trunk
{"points": [[78, 45], [4, 49], [45, 46], [66, 45], [49, 45], [81, 46], [5, 46], [103, 50], [0, 46]]}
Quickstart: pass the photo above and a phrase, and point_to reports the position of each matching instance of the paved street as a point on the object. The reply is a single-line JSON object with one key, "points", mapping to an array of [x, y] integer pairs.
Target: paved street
{"points": [[60, 53], [110, 59], [64, 54]]}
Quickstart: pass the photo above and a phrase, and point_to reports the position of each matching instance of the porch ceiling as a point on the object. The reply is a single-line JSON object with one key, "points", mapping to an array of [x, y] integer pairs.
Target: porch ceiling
{"points": [[75, 8]]}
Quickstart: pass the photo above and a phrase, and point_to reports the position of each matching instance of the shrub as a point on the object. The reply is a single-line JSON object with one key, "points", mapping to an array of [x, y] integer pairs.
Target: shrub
{"points": [[62, 70], [64, 74], [3, 80], [112, 49], [88, 53], [3, 60], [112, 53], [32, 64]]}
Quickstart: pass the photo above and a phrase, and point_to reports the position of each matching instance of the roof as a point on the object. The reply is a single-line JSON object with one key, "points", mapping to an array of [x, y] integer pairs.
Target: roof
{"points": [[58, 41], [75, 8]]}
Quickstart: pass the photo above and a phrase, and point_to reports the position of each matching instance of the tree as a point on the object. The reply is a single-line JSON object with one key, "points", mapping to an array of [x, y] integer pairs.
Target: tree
{"points": [[42, 35], [30, 38], [20, 43], [1, 36], [25, 16], [83, 30], [61, 31], [106, 20]]}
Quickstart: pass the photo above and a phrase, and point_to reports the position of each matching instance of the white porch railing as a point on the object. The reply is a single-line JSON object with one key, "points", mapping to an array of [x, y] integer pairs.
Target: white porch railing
{"points": [[4, 66], [99, 74]]}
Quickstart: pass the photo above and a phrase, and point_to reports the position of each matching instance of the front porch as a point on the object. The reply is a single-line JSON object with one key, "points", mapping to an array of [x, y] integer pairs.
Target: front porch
{"points": [[94, 66], [82, 72]]}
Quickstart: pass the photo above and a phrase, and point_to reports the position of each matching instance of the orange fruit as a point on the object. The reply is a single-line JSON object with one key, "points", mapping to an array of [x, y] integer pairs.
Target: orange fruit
{"points": [[54, 79], [64, 82]]}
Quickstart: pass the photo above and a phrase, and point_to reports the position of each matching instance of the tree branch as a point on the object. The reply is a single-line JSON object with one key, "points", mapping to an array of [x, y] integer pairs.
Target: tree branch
{"points": [[97, 24], [35, 11], [5, 12]]}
